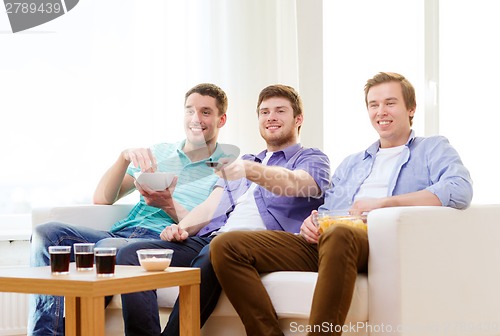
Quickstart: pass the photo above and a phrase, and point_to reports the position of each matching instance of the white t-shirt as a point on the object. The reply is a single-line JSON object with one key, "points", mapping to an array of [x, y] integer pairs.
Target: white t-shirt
{"points": [[245, 215], [376, 184]]}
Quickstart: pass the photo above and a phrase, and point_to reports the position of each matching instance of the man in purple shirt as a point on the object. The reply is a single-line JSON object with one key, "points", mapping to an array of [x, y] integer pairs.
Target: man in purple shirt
{"points": [[273, 190]]}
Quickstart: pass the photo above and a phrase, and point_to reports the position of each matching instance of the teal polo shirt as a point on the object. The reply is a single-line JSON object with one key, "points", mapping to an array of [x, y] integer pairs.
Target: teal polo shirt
{"points": [[195, 182]]}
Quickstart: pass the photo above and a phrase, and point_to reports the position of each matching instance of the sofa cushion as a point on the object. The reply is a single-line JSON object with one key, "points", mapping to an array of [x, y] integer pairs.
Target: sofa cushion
{"points": [[290, 292]]}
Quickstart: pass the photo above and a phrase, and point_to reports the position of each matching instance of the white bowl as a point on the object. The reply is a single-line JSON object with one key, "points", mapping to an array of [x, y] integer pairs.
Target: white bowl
{"points": [[156, 181], [155, 260]]}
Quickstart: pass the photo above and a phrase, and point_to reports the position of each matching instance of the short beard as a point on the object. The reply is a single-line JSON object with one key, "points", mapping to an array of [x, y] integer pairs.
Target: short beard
{"points": [[279, 141]]}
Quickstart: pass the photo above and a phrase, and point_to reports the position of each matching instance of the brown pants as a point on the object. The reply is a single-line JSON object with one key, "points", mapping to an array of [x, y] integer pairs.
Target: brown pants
{"points": [[239, 257]]}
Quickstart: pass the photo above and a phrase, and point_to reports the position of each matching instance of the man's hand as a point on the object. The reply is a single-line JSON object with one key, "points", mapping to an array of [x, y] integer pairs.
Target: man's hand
{"points": [[141, 157], [366, 205], [174, 233], [231, 170], [309, 230], [160, 199]]}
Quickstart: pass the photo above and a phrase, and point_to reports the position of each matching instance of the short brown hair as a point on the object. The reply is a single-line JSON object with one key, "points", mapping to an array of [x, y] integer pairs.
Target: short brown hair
{"points": [[283, 91], [385, 77], [212, 90]]}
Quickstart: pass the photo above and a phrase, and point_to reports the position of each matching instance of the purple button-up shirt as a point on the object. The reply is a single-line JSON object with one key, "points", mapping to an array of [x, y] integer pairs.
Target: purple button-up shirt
{"points": [[284, 213]]}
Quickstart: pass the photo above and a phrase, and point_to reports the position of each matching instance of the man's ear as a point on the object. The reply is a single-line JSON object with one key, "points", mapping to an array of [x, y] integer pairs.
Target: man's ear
{"points": [[222, 121], [411, 112], [299, 119]]}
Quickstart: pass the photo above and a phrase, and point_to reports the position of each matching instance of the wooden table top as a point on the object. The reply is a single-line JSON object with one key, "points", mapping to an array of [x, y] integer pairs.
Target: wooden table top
{"points": [[127, 279]]}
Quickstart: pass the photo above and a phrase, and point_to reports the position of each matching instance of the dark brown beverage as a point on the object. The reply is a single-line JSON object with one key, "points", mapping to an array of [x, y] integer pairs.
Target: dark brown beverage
{"points": [[59, 263], [105, 264], [84, 261]]}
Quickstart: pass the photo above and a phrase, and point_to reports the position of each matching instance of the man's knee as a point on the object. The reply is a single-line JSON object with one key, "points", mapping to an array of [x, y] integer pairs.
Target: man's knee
{"points": [[47, 229], [217, 245], [342, 238], [127, 255], [113, 242], [220, 246], [344, 241], [338, 233]]}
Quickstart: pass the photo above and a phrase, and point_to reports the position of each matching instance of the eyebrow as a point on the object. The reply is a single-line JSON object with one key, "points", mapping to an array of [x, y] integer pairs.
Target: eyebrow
{"points": [[386, 99], [201, 108], [276, 107]]}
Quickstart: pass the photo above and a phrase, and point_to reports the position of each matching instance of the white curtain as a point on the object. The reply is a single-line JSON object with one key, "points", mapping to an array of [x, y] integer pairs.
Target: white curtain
{"points": [[112, 74], [243, 46]]}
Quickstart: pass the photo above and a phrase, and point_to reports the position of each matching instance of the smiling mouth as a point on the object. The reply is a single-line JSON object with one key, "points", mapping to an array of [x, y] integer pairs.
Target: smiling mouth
{"points": [[384, 122], [196, 128], [273, 127]]}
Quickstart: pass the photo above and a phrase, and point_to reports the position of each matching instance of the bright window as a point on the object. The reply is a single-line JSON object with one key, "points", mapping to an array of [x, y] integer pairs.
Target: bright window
{"points": [[365, 37], [469, 88]]}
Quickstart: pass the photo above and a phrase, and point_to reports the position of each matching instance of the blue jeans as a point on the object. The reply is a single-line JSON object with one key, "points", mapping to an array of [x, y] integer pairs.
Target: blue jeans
{"points": [[140, 310], [46, 312]]}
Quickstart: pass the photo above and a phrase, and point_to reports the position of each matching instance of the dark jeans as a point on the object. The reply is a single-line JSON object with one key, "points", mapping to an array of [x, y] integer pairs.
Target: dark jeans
{"points": [[140, 310], [239, 257]]}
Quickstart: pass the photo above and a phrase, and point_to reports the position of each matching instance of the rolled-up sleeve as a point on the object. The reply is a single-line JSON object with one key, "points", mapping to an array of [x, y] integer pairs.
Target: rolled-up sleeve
{"points": [[450, 179], [317, 164]]}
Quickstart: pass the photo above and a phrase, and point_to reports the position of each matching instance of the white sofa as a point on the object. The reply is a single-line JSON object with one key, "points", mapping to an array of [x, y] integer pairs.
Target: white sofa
{"points": [[432, 271]]}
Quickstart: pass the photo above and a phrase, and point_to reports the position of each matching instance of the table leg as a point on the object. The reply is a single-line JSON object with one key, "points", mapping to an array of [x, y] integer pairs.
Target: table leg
{"points": [[92, 316], [72, 313], [189, 315]]}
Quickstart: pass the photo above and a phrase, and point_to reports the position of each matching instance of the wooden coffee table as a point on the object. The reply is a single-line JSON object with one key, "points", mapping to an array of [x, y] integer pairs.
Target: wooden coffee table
{"points": [[84, 292]]}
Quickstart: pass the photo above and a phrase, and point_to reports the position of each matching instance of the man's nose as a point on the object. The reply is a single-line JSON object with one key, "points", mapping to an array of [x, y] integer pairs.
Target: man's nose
{"points": [[195, 117], [272, 115], [381, 110]]}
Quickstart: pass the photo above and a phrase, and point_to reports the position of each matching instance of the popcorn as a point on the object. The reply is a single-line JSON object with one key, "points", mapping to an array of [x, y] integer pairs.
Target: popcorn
{"points": [[327, 221]]}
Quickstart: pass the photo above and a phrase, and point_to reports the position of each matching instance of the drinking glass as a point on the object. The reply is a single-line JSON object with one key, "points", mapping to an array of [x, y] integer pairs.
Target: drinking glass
{"points": [[105, 261], [59, 259], [84, 256]]}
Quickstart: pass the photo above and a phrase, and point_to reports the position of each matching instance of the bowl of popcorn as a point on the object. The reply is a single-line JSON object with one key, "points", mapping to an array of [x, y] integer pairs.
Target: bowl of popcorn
{"points": [[326, 219], [155, 260]]}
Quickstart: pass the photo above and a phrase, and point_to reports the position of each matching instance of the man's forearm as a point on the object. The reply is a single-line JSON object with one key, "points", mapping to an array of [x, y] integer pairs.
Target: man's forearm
{"points": [[418, 198], [282, 181], [109, 189], [176, 211], [201, 215]]}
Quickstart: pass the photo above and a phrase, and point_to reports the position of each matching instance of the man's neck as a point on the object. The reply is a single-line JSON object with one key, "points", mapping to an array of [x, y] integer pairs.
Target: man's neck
{"points": [[273, 148], [198, 153]]}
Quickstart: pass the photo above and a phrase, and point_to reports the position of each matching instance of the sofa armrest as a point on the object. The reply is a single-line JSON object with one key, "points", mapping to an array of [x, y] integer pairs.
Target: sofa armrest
{"points": [[435, 270], [99, 217]]}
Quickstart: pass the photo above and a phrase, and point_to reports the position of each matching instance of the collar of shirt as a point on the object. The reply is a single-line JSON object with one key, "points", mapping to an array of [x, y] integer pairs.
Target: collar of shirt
{"points": [[288, 152], [218, 153], [373, 149]]}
